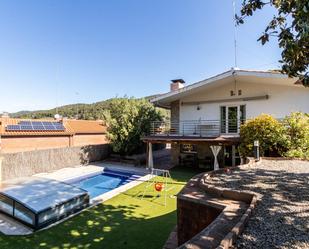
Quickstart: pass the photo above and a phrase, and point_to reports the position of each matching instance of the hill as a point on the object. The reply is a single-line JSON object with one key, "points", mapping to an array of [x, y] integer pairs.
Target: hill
{"points": [[80, 111]]}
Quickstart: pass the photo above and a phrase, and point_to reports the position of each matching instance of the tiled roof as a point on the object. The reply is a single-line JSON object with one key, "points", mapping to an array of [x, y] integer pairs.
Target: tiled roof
{"points": [[85, 126], [71, 127]]}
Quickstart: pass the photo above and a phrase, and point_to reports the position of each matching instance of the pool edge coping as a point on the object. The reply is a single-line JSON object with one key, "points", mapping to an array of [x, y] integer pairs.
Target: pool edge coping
{"points": [[99, 199]]}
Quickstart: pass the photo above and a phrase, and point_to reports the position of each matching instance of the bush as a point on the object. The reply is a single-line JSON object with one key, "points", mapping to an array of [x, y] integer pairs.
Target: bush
{"points": [[267, 130], [297, 131], [128, 119]]}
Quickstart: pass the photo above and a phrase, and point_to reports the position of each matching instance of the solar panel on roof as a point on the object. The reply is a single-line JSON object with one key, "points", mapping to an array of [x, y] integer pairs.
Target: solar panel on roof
{"points": [[13, 128], [39, 128], [36, 123], [36, 126], [26, 127], [60, 127], [47, 123], [50, 127]]}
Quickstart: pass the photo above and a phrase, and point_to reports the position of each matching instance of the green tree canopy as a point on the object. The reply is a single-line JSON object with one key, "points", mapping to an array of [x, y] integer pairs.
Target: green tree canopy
{"points": [[128, 119], [291, 26]]}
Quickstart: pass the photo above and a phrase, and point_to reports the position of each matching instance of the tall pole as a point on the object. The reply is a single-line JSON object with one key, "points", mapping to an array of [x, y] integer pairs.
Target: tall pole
{"points": [[76, 116], [235, 38]]}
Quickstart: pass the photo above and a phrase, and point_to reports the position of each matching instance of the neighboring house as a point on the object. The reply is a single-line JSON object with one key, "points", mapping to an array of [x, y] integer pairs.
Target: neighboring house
{"points": [[18, 135], [87, 132], [211, 111]]}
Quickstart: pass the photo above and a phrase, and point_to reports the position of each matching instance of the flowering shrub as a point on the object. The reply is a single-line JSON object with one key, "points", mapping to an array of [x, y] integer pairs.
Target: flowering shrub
{"points": [[297, 131], [267, 130], [289, 137]]}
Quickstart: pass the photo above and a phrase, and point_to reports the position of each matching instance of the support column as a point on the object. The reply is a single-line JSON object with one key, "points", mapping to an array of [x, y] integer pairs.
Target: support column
{"points": [[150, 156], [1, 159], [71, 141], [233, 155]]}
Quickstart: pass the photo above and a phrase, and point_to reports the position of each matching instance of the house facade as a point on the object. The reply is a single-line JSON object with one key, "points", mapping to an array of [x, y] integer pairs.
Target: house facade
{"points": [[210, 112]]}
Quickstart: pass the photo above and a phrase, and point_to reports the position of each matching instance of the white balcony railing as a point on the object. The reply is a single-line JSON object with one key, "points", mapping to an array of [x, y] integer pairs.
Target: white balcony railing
{"points": [[202, 128]]}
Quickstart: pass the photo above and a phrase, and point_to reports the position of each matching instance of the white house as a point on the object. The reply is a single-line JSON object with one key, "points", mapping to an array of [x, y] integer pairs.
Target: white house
{"points": [[210, 112]]}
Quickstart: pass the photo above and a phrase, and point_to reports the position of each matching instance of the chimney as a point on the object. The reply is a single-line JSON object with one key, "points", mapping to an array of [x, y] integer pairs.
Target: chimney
{"points": [[177, 84]]}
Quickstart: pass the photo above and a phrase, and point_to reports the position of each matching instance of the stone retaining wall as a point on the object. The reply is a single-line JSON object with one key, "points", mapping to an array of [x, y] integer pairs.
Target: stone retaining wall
{"points": [[28, 163], [214, 216]]}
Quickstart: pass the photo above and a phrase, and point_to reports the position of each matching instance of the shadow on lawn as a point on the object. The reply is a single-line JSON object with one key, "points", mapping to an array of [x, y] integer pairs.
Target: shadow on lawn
{"points": [[106, 226]]}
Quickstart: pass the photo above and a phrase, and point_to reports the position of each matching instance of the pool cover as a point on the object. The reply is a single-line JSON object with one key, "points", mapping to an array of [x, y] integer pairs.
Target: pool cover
{"points": [[38, 202]]}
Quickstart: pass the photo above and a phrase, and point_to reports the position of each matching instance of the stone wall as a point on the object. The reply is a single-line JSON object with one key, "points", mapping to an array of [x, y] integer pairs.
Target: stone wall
{"points": [[175, 111], [175, 152], [27, 163]]}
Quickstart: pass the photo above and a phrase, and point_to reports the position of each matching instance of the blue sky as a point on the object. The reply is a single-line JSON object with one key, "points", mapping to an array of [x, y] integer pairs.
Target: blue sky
{"points": [[60, 52]]}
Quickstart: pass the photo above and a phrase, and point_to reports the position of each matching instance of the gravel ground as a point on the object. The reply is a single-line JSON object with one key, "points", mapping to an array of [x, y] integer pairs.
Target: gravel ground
{"points": [[281, 218]]}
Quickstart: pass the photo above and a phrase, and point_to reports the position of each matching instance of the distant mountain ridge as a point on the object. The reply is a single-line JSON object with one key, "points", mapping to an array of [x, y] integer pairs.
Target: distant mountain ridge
{"points": [[78, 110]]}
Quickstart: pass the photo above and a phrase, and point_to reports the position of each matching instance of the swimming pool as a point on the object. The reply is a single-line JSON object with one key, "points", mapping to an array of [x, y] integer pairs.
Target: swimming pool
{"points": [[38, 202], [104, 182]]}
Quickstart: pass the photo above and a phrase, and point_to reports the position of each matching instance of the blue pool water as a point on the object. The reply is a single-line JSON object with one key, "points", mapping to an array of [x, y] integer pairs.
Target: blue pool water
{"points": [[102, 183]]}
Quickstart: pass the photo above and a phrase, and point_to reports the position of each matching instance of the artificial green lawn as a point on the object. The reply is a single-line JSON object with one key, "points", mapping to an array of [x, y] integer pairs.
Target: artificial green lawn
{"points": [[125, 221]]}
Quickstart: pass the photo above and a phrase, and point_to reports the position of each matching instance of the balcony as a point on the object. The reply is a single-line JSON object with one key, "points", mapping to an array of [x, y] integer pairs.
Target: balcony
{"points": [[196, 128]]}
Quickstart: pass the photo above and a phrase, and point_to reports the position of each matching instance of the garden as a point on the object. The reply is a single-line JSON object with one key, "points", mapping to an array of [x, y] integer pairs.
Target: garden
{"points": [[288, 137], [125, 221]]}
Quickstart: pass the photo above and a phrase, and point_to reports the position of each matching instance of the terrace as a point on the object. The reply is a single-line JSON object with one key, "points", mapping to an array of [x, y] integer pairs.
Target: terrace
{"points": [[196, 128]]}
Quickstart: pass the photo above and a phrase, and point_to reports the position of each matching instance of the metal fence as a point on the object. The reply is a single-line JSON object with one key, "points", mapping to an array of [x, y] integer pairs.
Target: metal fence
{"points": [[202, 128]]}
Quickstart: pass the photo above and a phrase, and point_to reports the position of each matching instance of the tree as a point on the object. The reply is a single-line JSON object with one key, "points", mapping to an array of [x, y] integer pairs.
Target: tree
{"points": [[291, 26], [128, 119]]}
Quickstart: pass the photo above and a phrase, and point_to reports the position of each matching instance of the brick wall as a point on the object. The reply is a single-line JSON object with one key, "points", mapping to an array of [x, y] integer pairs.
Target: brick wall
{"points": [[190, 223], [175, 111], [17, 144], [86, 139], [175, 152]]}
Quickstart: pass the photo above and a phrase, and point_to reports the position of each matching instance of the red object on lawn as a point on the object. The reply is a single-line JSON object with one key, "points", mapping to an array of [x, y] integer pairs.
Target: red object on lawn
{"points": [[159, 186]]}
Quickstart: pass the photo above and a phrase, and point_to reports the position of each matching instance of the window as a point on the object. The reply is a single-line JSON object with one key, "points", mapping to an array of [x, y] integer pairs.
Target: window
{"points": [[231, 117], [223, 119], [242, 110]]}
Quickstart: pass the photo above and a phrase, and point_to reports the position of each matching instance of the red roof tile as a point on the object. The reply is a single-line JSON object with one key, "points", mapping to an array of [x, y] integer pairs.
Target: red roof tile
{"points": [[71, 127]]}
